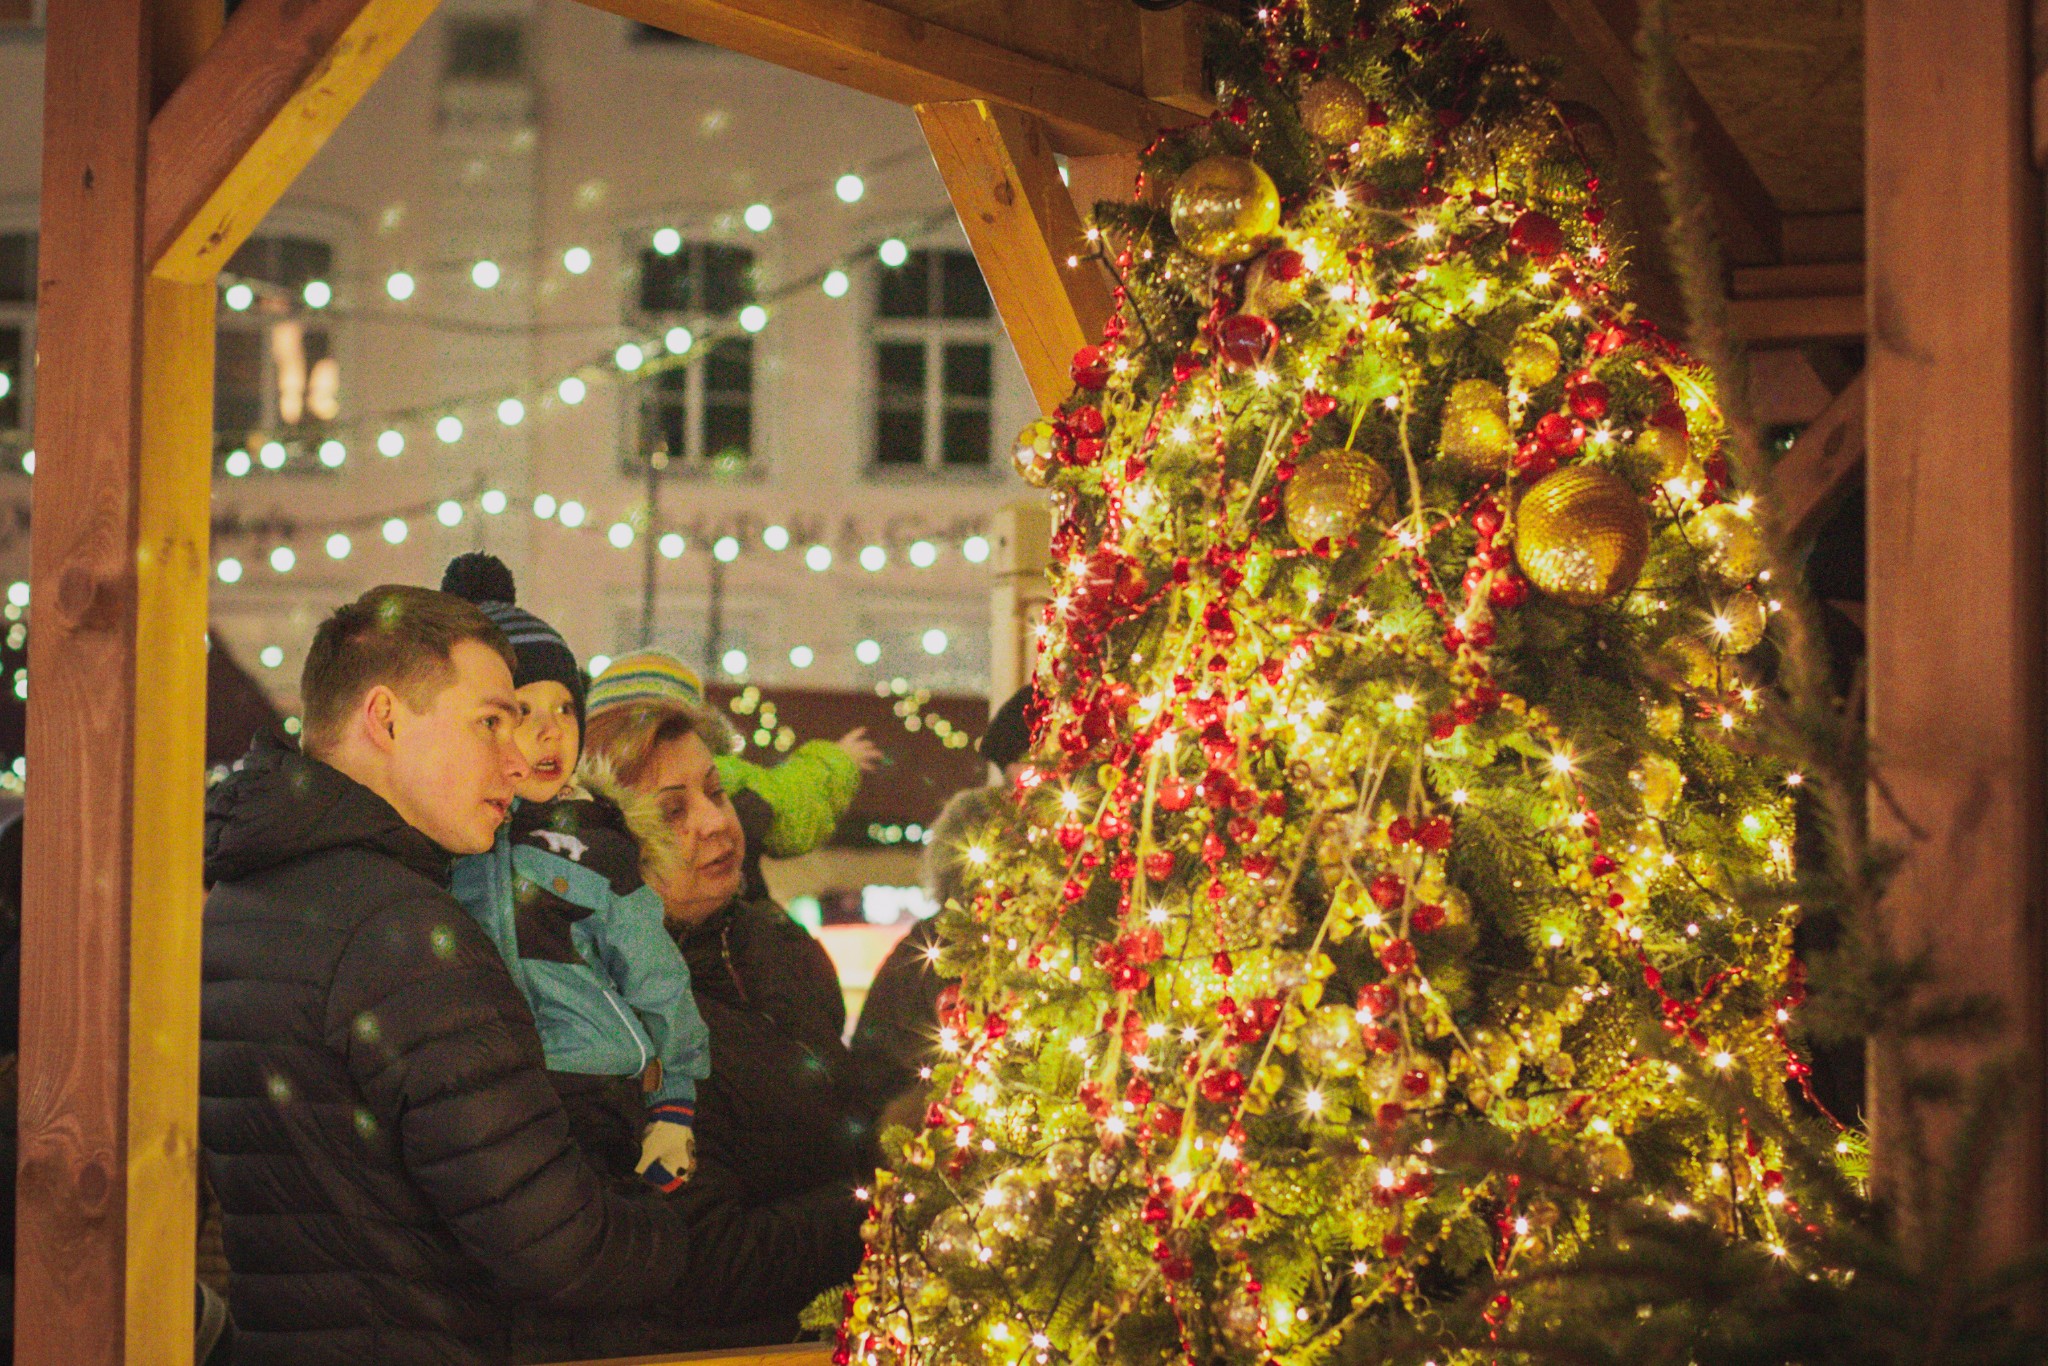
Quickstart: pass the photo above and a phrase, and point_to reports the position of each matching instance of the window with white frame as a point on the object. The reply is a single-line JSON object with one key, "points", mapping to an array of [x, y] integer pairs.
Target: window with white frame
{"points": [[17, 338], [696, 408], [935, 334], [277, 382]]}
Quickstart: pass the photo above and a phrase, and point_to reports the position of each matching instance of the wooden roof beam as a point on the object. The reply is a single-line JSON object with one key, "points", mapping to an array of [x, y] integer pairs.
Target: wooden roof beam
{"points": [[1605, 30], [241, 127], [1029, 240], [910, 59], [1823, 463]]}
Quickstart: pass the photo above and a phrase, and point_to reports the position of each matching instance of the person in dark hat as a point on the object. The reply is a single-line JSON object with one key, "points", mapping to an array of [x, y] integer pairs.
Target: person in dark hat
{"points": [[896, 1038]]}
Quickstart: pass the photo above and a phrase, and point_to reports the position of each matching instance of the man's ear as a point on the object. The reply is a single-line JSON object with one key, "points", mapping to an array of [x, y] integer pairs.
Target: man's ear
{"points": [[379, 717]]}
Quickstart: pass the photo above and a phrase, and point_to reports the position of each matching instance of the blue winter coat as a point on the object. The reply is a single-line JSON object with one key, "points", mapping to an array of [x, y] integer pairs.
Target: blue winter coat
{"points": [[562, 898]]}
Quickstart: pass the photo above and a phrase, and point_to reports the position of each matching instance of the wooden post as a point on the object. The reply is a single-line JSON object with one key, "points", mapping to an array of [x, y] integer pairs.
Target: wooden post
{"points": [[117, 730], [1956, 563], [999, 169]]}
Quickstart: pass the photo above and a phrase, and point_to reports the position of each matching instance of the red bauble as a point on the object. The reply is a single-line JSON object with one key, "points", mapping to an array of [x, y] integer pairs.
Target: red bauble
{"points": [[1427, 918], [1386, 890], [1536, 234], [1588, 398], [1159, 864], [1285, 263], [1224, 1087], [1091, 367], [1246, 339], [1378, 1000], [1398, 955], [1559, 433]]}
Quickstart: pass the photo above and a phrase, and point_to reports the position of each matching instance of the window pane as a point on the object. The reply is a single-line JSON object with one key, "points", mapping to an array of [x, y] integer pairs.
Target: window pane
{"points": [[663, 410], [729, 400], [17, 268], [665, 282], [728, 278], [899, 403], [963, 294], [729, 369], [10, 366], [485, 49], [237, 384], [905, 292], [300, 260], [965, 439], [728, 430], [968, 370]]}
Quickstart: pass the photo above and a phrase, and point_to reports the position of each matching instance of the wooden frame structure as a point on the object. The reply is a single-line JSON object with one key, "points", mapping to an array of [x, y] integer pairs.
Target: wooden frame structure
{"points": [[168, 138]]}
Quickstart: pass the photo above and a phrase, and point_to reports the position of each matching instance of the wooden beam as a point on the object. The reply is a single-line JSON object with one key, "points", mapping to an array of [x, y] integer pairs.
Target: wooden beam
{"points": [[1956, 590], [74, 1258], [1787, 281], [1171, 55], [1823, 462], [1605, 31], [998, 167], [243, 125], [870, 46], [1790, 321]]}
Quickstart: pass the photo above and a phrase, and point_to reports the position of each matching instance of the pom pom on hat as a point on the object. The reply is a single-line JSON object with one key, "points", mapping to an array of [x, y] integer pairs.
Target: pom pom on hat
{"points": [[477, 577]]}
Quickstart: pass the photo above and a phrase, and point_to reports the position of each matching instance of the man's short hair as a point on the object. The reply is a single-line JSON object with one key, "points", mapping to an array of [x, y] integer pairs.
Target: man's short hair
{"points": [[397, 635]]}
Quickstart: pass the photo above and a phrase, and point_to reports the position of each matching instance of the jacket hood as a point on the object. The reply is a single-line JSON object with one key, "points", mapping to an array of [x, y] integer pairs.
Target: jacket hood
{"points": [[279, 806], [660, 854]]}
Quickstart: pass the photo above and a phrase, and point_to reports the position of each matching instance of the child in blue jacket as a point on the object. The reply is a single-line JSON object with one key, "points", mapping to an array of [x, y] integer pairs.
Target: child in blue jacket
{"points": [[561, 895]]}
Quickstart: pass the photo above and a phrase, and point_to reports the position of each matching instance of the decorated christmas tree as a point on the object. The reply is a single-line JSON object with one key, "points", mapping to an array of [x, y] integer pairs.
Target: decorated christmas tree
{"points": [[1394, 793]]}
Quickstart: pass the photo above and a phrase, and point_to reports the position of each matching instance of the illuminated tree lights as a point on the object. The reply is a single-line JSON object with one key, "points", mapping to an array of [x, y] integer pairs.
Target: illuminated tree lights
{"points": [[1393, 794]]}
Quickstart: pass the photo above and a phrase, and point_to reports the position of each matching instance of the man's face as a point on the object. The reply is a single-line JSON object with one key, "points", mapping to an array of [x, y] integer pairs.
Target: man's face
{"points": [[548, 739], [456, 765]]}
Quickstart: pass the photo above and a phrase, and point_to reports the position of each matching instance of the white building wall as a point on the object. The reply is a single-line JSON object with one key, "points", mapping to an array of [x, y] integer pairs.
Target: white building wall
{"points": [[605, 141]]}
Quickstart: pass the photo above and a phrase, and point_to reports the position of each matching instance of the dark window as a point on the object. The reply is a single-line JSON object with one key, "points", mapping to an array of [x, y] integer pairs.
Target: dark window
{"points": [[934, 362], [486, 50], [237, 386], [17, 267], [12, 339], [899, 403], [700, 411], [288, 263]]}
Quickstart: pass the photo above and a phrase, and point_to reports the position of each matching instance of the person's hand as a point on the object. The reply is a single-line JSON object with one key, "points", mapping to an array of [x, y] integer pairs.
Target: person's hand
{"points": [[865, 753], [668, 1155]]}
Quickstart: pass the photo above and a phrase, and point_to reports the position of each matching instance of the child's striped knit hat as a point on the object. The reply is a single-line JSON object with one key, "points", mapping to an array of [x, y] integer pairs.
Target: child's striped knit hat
{"points": [[542, 653], [645, 676]]}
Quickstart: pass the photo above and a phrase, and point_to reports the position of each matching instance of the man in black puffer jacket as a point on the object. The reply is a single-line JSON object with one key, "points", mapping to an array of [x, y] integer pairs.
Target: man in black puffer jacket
{"points": [[397, 1176]]}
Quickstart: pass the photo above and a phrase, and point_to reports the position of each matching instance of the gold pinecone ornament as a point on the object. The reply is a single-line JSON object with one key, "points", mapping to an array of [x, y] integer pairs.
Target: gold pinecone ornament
{"points": [[1476, 433], [1338, 492], [1581, 535], [1225, 208]]}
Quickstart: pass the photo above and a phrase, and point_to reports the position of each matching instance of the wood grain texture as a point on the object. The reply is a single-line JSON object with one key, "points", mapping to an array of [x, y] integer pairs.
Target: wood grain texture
{"points": [[1824, 462], [1605, 31], [903, 57], [171, 563], [1956, 568], [999, 171], [71, 1263], [241, 127]]}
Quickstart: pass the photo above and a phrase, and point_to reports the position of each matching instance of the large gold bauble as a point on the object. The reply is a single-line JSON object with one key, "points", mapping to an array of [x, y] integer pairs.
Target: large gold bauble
{"points": [[1729, 543], [1737, 625], [1224, 208], [1033, 455], [1581, 535], [1335, 110], [1533, 359], [1337, 492], [1476, 433]]}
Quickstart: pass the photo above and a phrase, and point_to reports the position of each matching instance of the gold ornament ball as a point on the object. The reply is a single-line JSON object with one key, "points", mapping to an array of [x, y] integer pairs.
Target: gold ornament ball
{"points": [[1329, 1041], [1033, 454], [1337, 492], [1335, 110], [1581, 535], [1224, 208], [1658, 779], [1738, 625], [1697, 663], [1730, 546], [1476, 433], [1665, 451], [1533, 359]]}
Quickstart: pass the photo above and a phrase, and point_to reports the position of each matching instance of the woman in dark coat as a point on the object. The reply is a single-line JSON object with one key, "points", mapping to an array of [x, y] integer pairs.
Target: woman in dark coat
{"points": [[780, 1110]]}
